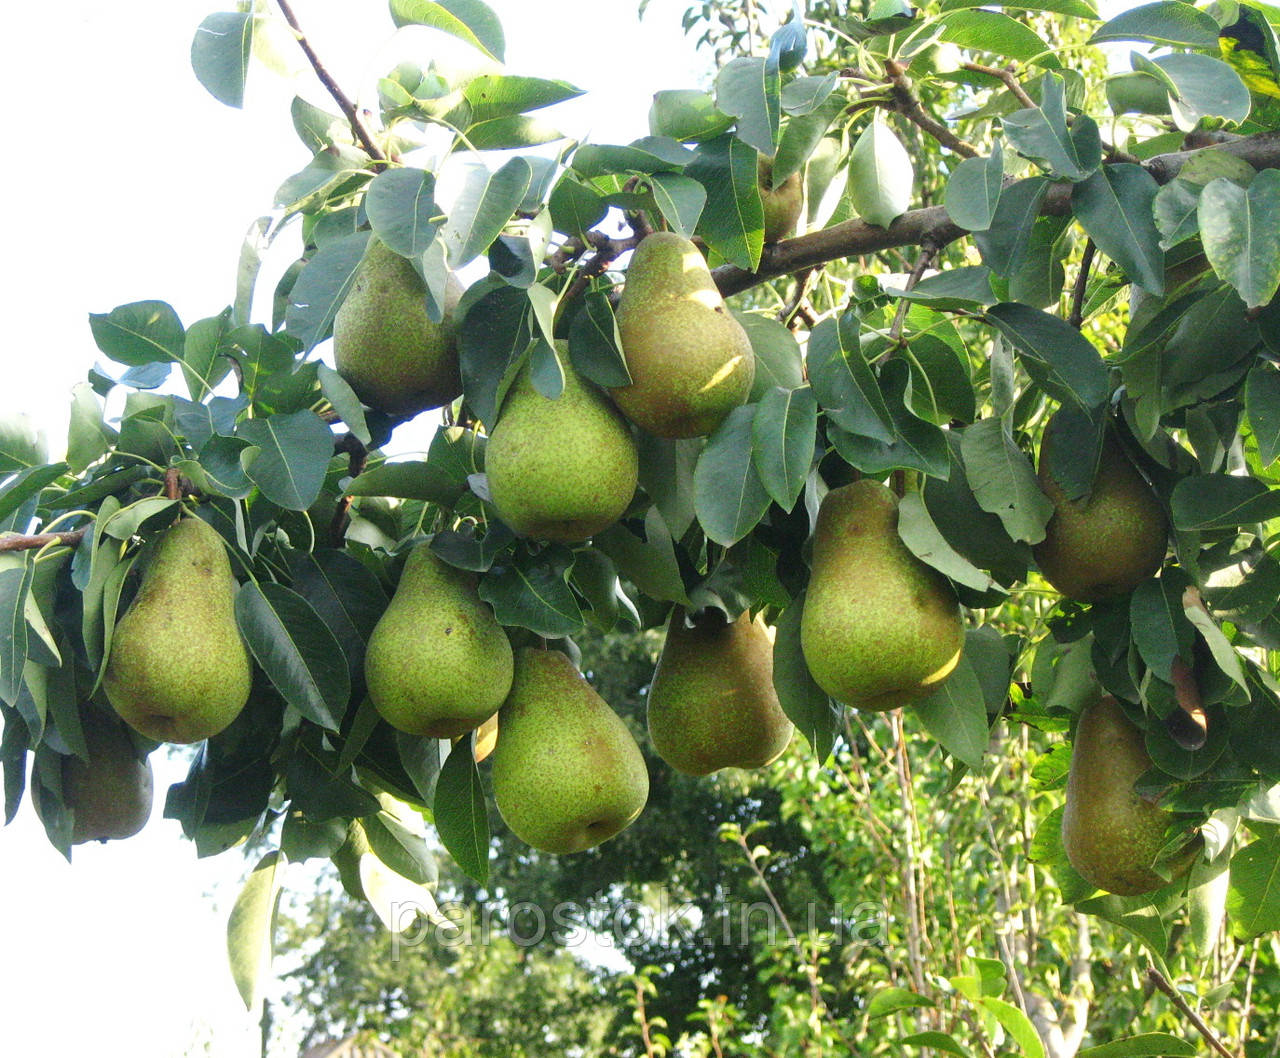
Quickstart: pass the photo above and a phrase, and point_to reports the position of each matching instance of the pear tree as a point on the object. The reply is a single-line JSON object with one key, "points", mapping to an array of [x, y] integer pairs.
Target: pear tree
{"points": [[869, 265]]}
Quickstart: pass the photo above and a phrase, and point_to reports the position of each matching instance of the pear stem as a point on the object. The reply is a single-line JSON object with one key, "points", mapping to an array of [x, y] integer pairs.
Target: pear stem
{"points": [[348, 108], [1175, 997]]}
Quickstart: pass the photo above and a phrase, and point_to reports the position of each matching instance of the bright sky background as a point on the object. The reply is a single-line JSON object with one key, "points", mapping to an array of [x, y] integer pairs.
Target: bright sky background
{"points": [[127, 181]]}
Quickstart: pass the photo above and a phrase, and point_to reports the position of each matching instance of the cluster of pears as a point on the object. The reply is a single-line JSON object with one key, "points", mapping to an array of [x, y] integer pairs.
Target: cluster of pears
{"points": [[879, 628], [570, 490], [390, 351], [567, 774], [178, 670], [712, 704], [1107, 543], [110, 790], [1112, 835]]}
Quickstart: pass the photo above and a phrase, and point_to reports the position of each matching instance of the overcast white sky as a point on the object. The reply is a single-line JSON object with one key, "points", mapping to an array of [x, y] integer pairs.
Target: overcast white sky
{"points": [[126, 181]]}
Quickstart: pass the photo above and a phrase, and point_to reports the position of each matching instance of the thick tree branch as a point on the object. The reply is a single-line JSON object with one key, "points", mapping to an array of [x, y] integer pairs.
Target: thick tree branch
{"points": [[934, 225], [18, 542], [348, 108]]}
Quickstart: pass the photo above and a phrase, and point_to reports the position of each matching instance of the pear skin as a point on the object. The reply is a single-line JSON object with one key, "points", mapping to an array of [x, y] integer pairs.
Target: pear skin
{"points": [[567, 774], [178, 670], [561, 469], [880, 628], [712, 704], [385, 345], [1107, 543], [782, 204], [438, 662], [110, 794], [1111, 834], [691, 362]]}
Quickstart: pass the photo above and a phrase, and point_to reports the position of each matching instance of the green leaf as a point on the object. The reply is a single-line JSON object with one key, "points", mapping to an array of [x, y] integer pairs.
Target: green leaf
{"points": [[1114, 206], [748, 90], [495, 335], [575, 207], [1016, 1024], [895, 1000], [777, 353], [973, 190], [732, 221], [926, 542], [1003, 481], [296, 650], [1253, 901], [939, 1041], [1168, 22], [1262, 404], [483, 208], [534, 593], [338, 392], [727, 492], [1066, 365], [916, 444], [402, 208], [1145, 1046], [1224, 654], [1206, 87], [468, 20], [293, 456], [687, 114], [996, 32], [680, 199], [459, 812], [1240, 235], [22, 443], [956, 715], [1042, 135], [21, 487], [503, 95], [807, 705], [406, 480], [143, 332], [251, 927], [594, 345], [220, 55], [783, 435], [16, 573], [1160, 628], [880, 175], [1221, 501], [649, 154], [844, 383], [320, 288], [206, 357]]}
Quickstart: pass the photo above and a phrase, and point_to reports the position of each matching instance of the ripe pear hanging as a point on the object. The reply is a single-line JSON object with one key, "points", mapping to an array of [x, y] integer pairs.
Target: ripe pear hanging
{"points": [[438, 662], [178, 670], [110, 794], [561, 469], [879, 628], [712, 704], [690, 361]]}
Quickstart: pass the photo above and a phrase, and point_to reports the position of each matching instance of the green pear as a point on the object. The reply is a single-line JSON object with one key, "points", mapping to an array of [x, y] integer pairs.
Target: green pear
{"points": [[178, 670], [560, 469], [385, 345], [1112, 835], [879, 628], [782, 204], [110, 794], [712, 704], [438, 662], [690, 361], [1107, 543], [567, 775]]}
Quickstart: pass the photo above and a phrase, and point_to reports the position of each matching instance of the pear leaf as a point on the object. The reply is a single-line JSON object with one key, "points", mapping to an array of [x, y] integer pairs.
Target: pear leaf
{"points": [[1148, 1044], [956, 715], [220, 55], [782, 442], [728, 495], [251, 927], [1003, 481], [1240, 236], [459, 812], [809, 707], [483, 207], [747, 89], [469, 20], [1253, 901]]}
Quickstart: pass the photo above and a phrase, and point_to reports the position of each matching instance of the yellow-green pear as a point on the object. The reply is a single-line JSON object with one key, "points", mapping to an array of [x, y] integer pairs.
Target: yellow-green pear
{"points": [[438, 662], [690, 361], [879, 628], [110, 794], [178, 670], [560, 469], [712, 704], [567, 775], [782, 204], [1111, 833], [395, 357], [1107, 543]]}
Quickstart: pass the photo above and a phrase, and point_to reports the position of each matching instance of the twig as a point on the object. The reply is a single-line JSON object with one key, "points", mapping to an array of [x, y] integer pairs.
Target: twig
{"points": [[19, 542], [643, 1018], [1011, 82], [348, 108], [1076, 319], [357, 455], [907, 103], [804, 280], [1175, 997], [927, 253]]}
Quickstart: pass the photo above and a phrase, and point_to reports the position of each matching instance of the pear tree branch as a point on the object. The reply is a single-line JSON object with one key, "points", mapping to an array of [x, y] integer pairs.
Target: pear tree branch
{"points": [[1076, 319], [1162, 983], [20, 542], [907, 103]]}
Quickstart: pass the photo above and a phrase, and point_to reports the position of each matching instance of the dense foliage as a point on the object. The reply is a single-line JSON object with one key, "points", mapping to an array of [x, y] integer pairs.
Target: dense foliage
{"points": [[1055, 242]]}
